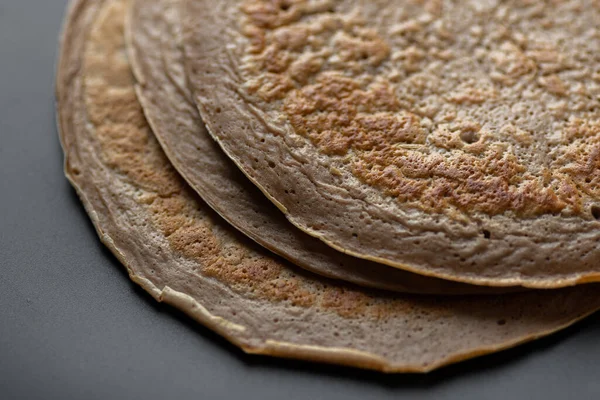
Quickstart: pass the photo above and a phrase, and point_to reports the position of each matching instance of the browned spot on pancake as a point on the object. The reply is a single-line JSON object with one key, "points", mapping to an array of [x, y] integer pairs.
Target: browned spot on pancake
{"points": [[467, 94], [346, 303], [489, 183], [113, 108], [579, 158], [406, 120], [106, 100], [554, 85], [270, 86], [510, 63], [266, 279], [338, 116]]}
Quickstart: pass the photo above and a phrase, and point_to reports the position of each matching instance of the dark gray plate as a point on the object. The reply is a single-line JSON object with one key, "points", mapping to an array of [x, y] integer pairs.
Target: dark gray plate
{"points": [[72, 326]]}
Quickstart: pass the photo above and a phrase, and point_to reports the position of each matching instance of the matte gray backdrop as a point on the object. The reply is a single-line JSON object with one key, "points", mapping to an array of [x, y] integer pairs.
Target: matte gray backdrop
{"points": [[72, 326]]}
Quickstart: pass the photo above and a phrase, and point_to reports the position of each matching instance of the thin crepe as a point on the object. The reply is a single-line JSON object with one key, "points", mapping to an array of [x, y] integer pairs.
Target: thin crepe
{"points": [[182, 253], [452, 139], [152, 32]]}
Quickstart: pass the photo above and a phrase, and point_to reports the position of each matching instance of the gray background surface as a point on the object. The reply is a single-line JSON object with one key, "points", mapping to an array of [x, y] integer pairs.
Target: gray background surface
{"points": [[72, 326]]}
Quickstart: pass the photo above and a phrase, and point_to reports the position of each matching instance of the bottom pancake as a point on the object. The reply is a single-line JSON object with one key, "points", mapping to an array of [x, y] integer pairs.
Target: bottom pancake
{"points": [[182, 253]]}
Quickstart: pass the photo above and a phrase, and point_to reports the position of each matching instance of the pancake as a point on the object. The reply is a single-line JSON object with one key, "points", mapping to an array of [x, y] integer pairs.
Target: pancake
{"points": [[184, 254], [452, 139], [168, 105]]}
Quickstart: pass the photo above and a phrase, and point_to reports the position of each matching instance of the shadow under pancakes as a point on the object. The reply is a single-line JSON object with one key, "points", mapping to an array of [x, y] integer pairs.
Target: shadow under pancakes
{"points": [[479, 365]]}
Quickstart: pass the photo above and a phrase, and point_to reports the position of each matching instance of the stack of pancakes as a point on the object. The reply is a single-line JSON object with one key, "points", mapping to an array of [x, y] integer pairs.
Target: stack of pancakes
{"points": [[393, 185]]}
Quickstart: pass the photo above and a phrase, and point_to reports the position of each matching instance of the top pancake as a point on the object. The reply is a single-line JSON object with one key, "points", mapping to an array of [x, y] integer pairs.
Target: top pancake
{"points": [[454, 139], [157, 60]]}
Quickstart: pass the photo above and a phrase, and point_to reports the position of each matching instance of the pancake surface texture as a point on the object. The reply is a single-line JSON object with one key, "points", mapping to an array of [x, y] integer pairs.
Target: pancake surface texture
{"points": [[182, 253], [162, 89], [457, 139]]}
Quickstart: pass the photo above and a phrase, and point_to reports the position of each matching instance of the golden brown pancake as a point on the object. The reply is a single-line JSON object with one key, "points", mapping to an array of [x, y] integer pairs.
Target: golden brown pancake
{"points": [[182, 253], [456, 139], [162, 89]]}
